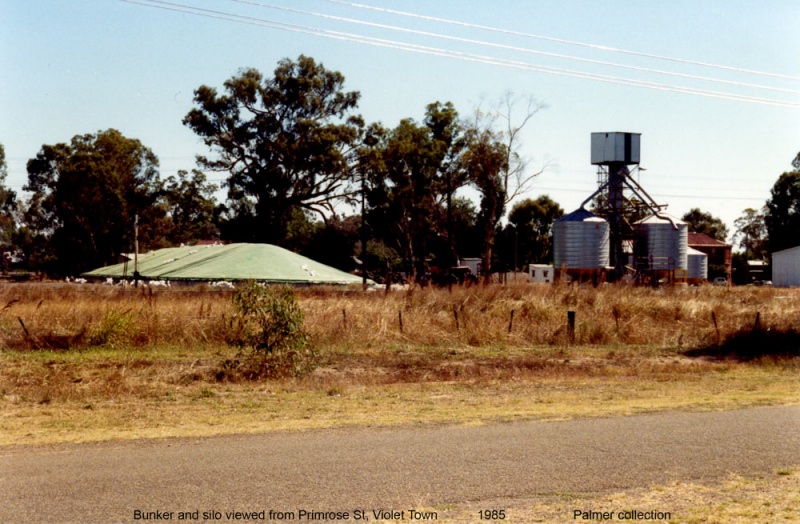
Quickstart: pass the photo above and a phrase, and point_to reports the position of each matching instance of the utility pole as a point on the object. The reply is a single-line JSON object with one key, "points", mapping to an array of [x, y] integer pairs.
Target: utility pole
{"points": [[136, 250], [363, 231], [515, 248], [451, 252]]}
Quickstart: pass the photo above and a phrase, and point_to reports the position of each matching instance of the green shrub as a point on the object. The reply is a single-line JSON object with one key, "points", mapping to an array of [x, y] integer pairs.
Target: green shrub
{"points": [[114, 330], [268, 326]]}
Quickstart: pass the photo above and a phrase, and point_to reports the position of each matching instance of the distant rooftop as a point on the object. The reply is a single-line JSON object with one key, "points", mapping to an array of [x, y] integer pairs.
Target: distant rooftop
{"points": [[701, 239]]}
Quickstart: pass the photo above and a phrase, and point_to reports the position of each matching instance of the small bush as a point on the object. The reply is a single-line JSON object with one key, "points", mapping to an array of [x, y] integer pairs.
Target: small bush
{"points": [[114, 330], [268, 326]]}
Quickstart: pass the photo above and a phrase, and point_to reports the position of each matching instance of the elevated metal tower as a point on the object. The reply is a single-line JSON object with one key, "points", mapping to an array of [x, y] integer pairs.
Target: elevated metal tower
{"points": [[619, 197]]}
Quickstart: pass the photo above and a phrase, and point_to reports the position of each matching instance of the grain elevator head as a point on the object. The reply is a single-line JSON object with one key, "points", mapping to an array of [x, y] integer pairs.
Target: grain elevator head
{"points": [[617, 147]]}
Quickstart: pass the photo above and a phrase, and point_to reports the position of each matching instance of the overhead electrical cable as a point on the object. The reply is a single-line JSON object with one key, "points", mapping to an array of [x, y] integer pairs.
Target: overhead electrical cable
{"points": [[513, 48], [452, 54], [660, 195], [564, 41]]}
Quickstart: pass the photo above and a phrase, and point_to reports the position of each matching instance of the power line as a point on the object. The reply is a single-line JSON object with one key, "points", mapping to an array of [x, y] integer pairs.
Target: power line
{"points": [[512, 48], [660, 195], [337, 35], [563, 41]]}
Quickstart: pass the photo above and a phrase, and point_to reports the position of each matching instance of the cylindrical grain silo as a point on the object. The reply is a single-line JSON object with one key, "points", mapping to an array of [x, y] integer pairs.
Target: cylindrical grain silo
{"points": [[697, 271], [580, 243], [663, 243]]}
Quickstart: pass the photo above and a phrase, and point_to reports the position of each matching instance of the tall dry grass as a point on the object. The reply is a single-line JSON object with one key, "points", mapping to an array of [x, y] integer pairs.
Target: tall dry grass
{"points": [[71, 316], [67, 316], [527, 315], [95, 362]]}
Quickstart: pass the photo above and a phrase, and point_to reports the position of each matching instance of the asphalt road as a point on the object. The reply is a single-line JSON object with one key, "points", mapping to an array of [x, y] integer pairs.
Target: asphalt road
{"points": [[371, 469]]}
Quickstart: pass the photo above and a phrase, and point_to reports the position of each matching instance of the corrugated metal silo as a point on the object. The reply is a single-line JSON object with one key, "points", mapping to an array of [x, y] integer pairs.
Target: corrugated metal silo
{"points": [[665, 241], [580, 241], [698, 265]]}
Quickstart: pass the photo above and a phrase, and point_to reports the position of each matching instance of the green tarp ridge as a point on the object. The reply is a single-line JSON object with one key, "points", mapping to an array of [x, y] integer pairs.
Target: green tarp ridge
{"points": [[230, 262]]}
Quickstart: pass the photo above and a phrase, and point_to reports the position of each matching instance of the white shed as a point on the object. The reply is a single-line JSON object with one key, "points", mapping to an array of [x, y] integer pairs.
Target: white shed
{"points": [[786, 267], [540, 273]]}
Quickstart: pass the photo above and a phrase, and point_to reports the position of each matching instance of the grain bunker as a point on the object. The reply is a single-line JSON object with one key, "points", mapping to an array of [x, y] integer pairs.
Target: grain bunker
{"points": [[227, 263]]}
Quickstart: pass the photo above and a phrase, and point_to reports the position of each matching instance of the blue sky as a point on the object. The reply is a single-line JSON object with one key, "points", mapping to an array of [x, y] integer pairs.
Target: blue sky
{"points": [[85, 65]]}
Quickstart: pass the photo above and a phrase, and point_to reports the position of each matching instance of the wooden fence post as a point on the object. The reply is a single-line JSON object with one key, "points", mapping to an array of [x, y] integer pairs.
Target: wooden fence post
{"points": [[571, 326]]}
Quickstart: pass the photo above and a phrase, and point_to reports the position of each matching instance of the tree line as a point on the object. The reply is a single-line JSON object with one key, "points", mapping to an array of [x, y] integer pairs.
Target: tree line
{"points": [[295, 153]]}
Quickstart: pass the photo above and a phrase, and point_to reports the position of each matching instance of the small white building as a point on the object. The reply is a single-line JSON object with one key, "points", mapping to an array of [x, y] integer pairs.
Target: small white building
{"points": [[474, 265], [786, 267], [540, 273]]}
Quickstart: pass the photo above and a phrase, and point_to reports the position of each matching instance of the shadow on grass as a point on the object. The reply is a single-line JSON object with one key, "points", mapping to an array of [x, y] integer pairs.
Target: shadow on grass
{"points": [[749, 345]]}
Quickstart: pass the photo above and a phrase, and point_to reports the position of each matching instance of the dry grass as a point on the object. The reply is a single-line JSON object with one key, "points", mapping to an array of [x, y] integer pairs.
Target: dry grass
{"points": [[64, 316], [98, 362], [480, 316], [58, 316], [769, 498], [134, 399]]}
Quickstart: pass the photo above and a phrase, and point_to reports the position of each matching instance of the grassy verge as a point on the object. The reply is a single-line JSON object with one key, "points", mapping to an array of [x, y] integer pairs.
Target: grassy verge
{"points": [[737, 499], [166, 391]]}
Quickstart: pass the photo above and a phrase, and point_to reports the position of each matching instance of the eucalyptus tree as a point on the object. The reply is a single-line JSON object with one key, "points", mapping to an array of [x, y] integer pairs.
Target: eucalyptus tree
{"points": [[190, 207], [7, 202], [85, 195], [287, 142], [485, 162], [533, 236], [703, 222], [751, 234], [494, 165], [414, 173], [782, 216]]}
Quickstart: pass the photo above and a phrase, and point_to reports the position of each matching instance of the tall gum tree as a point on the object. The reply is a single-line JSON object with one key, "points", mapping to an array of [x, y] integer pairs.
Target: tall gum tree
{"points": [[413, 171], [85, 195], [287, 142], [190, 206], [493, 164], [703, 222], [531, 223], [782, 216], [7, 203], [751, 233]]}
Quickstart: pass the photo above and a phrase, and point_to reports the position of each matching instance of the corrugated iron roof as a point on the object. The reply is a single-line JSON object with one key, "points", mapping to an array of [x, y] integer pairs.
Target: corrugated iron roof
{"points": [[701, 239]]}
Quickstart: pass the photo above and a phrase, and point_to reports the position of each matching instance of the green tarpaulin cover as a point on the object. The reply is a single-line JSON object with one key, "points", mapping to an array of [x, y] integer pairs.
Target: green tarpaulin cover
{"points": [[261, 262]]}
